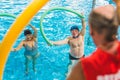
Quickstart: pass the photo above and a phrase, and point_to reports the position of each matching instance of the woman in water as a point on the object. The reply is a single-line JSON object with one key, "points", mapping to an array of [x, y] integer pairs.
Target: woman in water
{"points": [[31, 48]]}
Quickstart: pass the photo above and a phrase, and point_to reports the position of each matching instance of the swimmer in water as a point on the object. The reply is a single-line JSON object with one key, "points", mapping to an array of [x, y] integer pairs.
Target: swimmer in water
{"points": [[31, 47], [76, 43]]}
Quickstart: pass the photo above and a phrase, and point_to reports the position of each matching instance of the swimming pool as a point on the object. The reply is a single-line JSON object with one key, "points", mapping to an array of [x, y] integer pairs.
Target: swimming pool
{"points": [[52, 64]]}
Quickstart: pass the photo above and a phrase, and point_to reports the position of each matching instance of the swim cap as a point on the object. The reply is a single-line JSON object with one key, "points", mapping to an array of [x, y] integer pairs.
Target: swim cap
{"points": [[74, 27], [27, 31]]}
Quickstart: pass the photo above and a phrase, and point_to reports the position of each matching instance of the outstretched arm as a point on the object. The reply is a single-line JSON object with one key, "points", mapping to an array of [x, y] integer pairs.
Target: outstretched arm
{"points": [[61, 42], [19, 47], [118, 9], [35, 30], [82, 32]]}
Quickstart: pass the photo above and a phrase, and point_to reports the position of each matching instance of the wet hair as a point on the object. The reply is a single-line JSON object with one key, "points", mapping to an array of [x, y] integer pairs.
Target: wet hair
{"points": [[100, 23], [27, 31], [74, 27]]}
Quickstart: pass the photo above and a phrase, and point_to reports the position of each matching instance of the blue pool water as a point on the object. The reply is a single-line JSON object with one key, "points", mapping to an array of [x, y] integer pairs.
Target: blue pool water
{"points": [[53, 60]]}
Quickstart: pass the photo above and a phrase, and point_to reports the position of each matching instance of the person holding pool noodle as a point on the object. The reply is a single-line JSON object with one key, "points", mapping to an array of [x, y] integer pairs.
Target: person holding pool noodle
{"points": [[31, 47], [104, 63], [76, 43]]}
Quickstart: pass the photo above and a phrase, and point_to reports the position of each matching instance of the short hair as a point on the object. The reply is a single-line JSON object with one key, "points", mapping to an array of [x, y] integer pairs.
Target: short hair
{"points": [[27, 31], [99, 23], [74, 28]]}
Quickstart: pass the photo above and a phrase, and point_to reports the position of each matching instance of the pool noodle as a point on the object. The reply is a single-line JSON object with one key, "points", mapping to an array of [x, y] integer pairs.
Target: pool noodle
{"points": [[47, 12]]}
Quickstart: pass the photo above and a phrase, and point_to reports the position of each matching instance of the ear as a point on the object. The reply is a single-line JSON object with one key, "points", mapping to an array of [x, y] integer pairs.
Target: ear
{"points": [[91, 30]]}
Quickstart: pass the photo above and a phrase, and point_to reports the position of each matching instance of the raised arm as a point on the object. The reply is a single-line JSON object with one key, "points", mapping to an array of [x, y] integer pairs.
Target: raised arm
{"points": [[82, 32], [61, 42], [35, 30], [19, 46], [118, 9]]}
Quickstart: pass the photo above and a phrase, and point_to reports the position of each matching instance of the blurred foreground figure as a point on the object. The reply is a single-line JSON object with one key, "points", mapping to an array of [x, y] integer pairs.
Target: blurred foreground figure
{"points": [[104, 63]]}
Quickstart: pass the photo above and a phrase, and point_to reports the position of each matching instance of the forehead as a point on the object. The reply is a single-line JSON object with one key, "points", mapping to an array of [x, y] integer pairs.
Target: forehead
{"points": [[29, 35], [74, 30]]}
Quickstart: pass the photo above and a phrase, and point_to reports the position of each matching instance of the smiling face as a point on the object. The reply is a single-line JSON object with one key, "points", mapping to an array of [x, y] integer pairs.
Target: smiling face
{"points": [[75, 32], [29, 37]]}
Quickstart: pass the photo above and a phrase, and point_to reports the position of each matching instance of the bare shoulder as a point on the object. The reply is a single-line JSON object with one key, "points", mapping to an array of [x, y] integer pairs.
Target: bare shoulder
{"points": [[81, 36], [35, 39], [69, 37], [23, 42], [77, 72]]}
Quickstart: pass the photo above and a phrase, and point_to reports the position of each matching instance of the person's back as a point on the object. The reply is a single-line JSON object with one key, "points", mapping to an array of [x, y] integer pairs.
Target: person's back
{"points": [[101, 65], [104, 63]]}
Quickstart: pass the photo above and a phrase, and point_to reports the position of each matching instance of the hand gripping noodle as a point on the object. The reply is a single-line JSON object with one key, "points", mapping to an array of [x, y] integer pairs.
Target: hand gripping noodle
{"points": [[47, 12]]}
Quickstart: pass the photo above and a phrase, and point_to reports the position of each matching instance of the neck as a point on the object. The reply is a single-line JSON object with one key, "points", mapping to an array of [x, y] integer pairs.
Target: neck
{"points": [[76, 36], [110, 47]]}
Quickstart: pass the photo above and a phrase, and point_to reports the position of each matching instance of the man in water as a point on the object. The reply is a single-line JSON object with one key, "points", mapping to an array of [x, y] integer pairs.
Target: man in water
{"points": [[104, 63], [76, 43]]}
